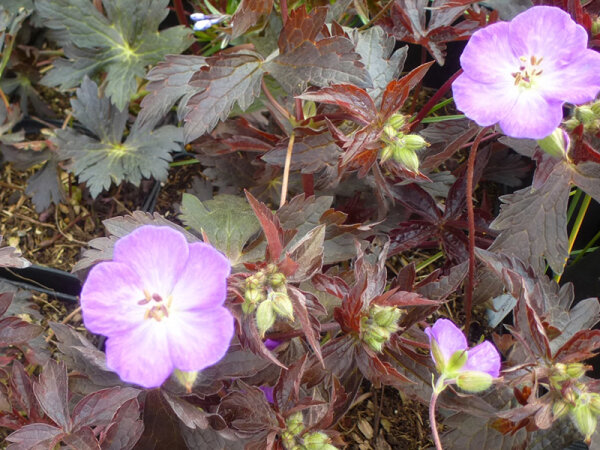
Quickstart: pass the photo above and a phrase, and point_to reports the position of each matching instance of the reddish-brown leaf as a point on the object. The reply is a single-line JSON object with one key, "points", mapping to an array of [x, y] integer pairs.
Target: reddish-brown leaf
{"points": [[396, 92], [247, 15], [351, 99], [270, 225]]}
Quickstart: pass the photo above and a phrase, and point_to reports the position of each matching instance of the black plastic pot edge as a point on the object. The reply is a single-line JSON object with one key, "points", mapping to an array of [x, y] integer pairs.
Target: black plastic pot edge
{"points": [[56, 283]]}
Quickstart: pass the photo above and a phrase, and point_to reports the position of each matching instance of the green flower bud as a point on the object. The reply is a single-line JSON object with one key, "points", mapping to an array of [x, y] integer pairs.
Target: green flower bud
{"points": [[556, 145], [295, 424], [390, 131], [317, 441], [282, 304], [576, 370], [277, 279], [309, 109], [585, 114], [386, 317], [186, 379], [596, 26], [265, 317], [585, 420], [594, 403], [408, 158], [387, 153], [253, 296], [571, 124], [456, 362], [473, 381], [271, 269], [374, 343], [414, 142], [396, 121], [560, 408]]}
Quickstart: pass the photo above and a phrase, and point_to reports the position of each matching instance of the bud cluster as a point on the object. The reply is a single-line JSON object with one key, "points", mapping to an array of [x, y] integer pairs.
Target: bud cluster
{"points": [[588, 115], [310, 441], [377, 328], [266, 293], [401, 147], [575, 399]]}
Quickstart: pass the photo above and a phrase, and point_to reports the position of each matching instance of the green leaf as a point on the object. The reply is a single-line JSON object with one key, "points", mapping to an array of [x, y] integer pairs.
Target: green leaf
{"points": [[226, 80], [122, 43], [104, 159], [228, 222]]}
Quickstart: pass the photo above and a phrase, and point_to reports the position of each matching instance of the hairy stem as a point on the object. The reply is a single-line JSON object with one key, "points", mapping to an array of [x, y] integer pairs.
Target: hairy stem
{"points": [[471, 220], [439, 387], [286, 170]]}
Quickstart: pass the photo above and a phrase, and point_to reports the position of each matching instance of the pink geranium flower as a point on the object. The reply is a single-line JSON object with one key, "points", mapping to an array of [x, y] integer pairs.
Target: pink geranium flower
{"points": [[160, 303], [520, 73], [447, 341]]}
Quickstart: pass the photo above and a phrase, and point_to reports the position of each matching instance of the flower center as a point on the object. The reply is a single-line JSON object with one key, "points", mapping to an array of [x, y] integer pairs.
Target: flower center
{"points": [[159, 309], [529, 70]]}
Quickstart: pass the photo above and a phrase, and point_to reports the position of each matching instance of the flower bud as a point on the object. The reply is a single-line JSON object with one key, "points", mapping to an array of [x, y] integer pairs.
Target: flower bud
{"points": [[253, 296], [595, 107], [295, 423], [596, 26], [408, 158], [390, 131], [277, 279], [473, 381], [265, 317], [585, 420], [186, 379], [387, 153], [576, 370], [317, 441], [594, 403], [556, 144], [414, 142], [560, 408], [585, 114], [282, 304], [386, 317], [396, 121], [309, 109]]}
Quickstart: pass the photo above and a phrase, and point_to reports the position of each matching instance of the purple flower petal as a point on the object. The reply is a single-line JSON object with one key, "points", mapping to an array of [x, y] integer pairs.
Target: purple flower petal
{"points": [[110, 307], [469, 96], [488, 57], [548, 32], [577, 83], [156, 254], [532, 116], [448, 337], [199, 339], [141, 355], [194, 291], [483, 358]]}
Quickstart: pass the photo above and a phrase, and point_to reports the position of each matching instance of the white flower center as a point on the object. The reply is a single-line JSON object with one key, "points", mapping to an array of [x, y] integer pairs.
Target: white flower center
{"points": [[529, 70], [157, 311]]}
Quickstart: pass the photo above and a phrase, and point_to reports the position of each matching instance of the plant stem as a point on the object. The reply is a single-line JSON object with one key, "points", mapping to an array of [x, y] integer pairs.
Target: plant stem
{"points": [[471, 220], [274, 102], [573, 204], [434, 100], [432, 422], [581, 253], [286, 170], [576, 227], [180, 12], [284, 11]]}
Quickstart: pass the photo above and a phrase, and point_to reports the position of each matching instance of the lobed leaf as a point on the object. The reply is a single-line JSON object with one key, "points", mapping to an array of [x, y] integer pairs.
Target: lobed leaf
{"points": [[51, 391]]}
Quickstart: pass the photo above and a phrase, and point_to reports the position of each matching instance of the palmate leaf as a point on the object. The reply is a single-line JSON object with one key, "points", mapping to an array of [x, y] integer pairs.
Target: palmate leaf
{"points": [[227, 79], [122, 43], [104, 159], [309, 54], [376, 50], [227, 221], [247, 15]]}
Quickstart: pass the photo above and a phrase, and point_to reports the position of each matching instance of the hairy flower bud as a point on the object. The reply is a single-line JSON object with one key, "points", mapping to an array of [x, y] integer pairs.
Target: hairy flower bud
{"points": [[277, 279], [317, 441], [560, 408], [585, 420], [282, 304], [396, 121], [576, 370], [407, 157], [472, 381], [265, 317], [386, 317], [556, 144]]}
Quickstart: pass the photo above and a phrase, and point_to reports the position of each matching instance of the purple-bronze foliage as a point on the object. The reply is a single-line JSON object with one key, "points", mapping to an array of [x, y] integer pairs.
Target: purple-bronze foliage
{"points": [[160, 303], [446, 339], [520, 73]]}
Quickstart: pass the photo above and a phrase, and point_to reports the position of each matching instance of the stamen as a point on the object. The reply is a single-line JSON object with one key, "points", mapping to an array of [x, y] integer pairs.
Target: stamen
{"points": [[156, 298]]}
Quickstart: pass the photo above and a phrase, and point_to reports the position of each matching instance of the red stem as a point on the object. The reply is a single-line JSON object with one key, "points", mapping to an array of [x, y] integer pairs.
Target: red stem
{"points": [[471, 220], [308, 180], [434, 100], [284, 11], [432, 421], [180, 12]]}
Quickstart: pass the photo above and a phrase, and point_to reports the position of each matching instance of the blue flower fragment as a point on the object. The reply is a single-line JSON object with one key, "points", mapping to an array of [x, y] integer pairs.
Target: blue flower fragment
{"points": [[205, 21]]}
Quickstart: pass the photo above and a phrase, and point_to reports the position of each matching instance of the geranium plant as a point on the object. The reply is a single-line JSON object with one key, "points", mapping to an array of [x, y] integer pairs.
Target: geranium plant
{"points": [[290, 229]]}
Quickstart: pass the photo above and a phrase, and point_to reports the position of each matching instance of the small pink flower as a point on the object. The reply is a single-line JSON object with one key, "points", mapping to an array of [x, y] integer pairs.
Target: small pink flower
{"points": [[446, 340], [160, 303]]}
